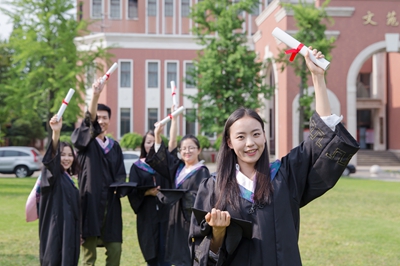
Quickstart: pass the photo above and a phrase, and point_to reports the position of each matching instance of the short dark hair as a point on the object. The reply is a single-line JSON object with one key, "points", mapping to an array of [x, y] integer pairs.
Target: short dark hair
{"points": [[103, 107], [75, 167]]}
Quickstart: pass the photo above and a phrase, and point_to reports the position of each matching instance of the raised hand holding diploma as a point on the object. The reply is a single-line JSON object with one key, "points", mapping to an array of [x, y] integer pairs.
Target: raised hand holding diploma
{"points": [[108, 73], [65, 104], [298, 48], [173, 89], [170, 116]]}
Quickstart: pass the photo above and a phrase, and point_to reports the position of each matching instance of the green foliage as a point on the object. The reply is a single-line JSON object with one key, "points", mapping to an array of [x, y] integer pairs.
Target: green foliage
{"points": [[25, 130], [225, 72], [204, 141], [178, 139], [311, 31], [66, 138], [165, 140], [45, 62], [217, 143], [131, 140]]}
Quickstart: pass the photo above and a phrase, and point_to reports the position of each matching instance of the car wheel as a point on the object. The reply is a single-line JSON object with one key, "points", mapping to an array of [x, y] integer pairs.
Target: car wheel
{"points": [[346, 172], [21, 171], [30, 173]]}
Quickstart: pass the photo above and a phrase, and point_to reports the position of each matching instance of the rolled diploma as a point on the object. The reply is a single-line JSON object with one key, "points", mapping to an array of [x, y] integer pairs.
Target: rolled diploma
{"points": [[65, 104], [173, 88], [293, 43], [174, 113], [109, 72]]}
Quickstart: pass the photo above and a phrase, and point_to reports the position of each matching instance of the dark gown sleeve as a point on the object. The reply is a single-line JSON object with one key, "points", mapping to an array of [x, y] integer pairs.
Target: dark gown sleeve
{"points": [[120, 174], [52, 166], [163, 162], [316, 165], [136, 198], [83, 135]]}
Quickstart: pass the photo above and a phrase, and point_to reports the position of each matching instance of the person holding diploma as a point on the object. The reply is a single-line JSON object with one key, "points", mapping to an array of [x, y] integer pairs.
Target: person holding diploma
{"points": [[151, 214], [248, 187], [59, 225], [102, 164], [184, 174]]}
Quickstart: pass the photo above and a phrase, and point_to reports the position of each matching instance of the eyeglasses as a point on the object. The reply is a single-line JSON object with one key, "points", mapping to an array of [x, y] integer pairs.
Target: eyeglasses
{"points": [[188, 149]]}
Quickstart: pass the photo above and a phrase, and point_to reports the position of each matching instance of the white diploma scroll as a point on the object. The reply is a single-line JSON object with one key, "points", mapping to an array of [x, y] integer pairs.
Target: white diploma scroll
{"points": [[173, 114], [293, 43], [173, 90], [65, 104], [108, 73]]}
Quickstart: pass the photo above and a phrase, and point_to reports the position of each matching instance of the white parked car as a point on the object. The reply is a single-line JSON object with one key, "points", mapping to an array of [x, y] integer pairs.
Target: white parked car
{"points": [[20, 160], [130, 157]]}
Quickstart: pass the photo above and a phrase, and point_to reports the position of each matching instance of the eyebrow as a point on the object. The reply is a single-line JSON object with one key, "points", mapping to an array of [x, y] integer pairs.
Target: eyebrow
{"points": [[238, 133]]}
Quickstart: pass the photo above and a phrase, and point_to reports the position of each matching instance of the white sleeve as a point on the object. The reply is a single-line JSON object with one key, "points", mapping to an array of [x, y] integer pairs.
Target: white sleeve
{"points": [[332, 120], [157, 147]]}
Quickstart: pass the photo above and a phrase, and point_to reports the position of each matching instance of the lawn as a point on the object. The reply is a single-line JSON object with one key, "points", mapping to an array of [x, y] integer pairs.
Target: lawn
{"points": [[356, 223]]}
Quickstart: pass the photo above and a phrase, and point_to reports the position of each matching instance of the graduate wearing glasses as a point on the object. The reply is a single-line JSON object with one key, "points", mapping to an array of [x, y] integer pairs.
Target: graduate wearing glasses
{"points": [[185, 175]]}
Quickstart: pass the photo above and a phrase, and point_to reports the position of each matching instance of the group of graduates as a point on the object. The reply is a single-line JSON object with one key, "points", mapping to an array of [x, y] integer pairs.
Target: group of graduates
{"points": [[247, 213]]}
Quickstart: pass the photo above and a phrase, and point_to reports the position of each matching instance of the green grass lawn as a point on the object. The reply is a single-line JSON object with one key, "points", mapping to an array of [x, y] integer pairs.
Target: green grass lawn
{"points": [[356, 223]]}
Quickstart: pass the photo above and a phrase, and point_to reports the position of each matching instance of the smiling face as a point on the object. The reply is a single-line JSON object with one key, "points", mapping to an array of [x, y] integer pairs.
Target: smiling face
{"points": [[67, 158], [247, 139], [189, 152], [148, 143], [103, 119]]}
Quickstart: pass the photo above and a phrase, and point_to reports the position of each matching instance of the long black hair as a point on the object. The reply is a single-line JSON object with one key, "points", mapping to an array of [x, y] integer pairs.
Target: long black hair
{"points": [[143, 153], [75, 167], [227, 188]]}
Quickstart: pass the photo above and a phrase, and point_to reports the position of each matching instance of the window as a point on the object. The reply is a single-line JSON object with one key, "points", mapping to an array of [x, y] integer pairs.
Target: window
{"points": [[189, 67], [171, 74], [10, 153], [97, 8], [132, 8], [152, 8], [115, 9], [191, 121], [125, 126], [185, 8], [152, 75], [90, 74], [152, 118], [125, 75], [256, 10], [168, 126], [169, 8]]}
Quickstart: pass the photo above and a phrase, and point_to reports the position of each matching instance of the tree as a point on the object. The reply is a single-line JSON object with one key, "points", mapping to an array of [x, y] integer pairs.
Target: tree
{"points": [[5, 63], [311, 31], [45, 62], [225, 72]]}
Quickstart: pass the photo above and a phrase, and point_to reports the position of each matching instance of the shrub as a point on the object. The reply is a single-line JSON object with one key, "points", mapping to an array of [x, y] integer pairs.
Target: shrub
{"points": [[131, 140], [66, 138], [217, 143], [165, 140], [204, 142]]}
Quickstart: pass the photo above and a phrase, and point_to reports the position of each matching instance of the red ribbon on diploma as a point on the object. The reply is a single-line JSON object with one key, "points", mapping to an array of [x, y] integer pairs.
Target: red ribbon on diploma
{"points": [[108, 76], [64, 102], [170, 116], [294, 52]]}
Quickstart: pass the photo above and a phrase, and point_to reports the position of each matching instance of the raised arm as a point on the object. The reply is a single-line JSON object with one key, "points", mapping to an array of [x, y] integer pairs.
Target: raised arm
{"points": [[322, 105], [173, 132], [56, 127], [97, 88]]}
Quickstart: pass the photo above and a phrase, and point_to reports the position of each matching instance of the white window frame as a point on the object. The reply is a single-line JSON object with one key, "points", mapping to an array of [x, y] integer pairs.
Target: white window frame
{"points": [[91, 10], [184, 73], [196, 123], [120, 119], [127, 11], [147, 116], [166, 73], [158, 73], [120, 10], [119, 72]]}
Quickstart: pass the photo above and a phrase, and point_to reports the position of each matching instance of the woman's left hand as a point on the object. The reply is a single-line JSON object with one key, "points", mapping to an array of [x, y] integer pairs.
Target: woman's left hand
{"points": [[314, 69]]}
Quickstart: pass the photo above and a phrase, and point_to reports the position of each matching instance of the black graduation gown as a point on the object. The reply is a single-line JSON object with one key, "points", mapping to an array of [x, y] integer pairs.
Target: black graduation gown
{"points": [[59, 226], [150, 213], [306, 173], [166, 164], [99, 170]]}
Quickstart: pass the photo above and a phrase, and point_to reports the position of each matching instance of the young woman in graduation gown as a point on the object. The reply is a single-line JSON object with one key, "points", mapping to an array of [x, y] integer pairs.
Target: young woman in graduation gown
{"points": [[59, 225], [268, 195], [151, 214], [184, 174]]}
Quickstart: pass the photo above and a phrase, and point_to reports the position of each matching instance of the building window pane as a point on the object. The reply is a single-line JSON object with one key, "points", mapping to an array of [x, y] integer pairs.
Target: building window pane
{"points": [[168, 126], [96, 8], [132, 8], [152, 75], [115, 9], [256, 10], [191, 121], [185, 8], [125, 121], [125, 75], [189, 67], [169, 8], [90, 74], [152, 8], [152, 118], [171, 74]]}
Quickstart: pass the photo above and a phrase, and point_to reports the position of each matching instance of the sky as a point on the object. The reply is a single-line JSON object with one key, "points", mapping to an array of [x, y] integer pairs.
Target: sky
{"points": [[5, 26]]}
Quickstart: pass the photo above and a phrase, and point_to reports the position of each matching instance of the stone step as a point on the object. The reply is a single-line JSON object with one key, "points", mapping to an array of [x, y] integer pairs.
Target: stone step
{"points": [[381, 158]]}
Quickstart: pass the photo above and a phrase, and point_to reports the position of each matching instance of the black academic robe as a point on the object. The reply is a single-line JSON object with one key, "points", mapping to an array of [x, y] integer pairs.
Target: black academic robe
{"points": [[59, 226], [151, 214], [101, 207], [306, 173], [167, 164]]}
